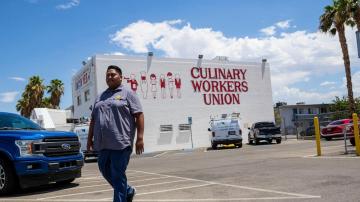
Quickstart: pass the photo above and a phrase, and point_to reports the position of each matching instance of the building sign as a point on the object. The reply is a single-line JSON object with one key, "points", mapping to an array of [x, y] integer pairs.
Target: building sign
{"points": [[83, 79], [219, 86]]}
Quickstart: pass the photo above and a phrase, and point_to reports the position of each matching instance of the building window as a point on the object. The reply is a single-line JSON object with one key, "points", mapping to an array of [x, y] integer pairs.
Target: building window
{"points": [[294, 111], [166, 128], [87, 95], [79, 100]]}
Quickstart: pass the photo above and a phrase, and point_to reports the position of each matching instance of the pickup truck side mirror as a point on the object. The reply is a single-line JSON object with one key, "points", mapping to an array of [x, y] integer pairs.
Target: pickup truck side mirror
{"points": [[209, 129]]}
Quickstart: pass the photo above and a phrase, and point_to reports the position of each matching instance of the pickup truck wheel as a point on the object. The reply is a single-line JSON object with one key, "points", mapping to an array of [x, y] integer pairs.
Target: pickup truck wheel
{"points": [[269, 141], [249, 139], [213, 146], [352, 141], [328, 138], [278, 141], [7, 178], [257, 141]]}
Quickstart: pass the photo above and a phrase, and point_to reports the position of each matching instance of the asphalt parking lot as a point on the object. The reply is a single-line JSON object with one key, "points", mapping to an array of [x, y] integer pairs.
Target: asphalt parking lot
{"points": [[269, 172]]}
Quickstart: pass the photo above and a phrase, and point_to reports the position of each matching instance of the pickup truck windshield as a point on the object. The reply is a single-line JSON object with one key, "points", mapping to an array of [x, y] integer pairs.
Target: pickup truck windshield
{"points": [[15, 122], [264, 125]]}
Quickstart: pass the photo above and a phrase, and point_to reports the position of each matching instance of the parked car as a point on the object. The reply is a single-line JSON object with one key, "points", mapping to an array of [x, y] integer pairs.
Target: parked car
{"points": [[335, 129], [31, 156], [225, 131], [264, 131]]}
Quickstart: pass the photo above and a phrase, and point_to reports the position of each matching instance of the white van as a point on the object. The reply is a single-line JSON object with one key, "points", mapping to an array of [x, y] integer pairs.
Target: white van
{"points": [[82, 131], [225, 131]]}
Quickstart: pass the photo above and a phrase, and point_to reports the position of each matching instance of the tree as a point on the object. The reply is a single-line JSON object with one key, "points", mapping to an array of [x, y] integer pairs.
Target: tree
{"points": [[46, 103], [56, 90], [31, 97], [333, 21], [35, 91], [340, 107], [354, 9], [22, 106]]}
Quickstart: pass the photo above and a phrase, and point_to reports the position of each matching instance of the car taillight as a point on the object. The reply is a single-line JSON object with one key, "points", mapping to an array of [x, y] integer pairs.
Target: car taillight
{"points": [[213, 134]]}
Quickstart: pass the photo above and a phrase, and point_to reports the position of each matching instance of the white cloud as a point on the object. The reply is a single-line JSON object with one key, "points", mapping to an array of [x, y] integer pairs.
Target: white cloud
{"points": [[285, 79], [17, 78], [8, 96], [114, 53], [283, 24], [294, 95], [294, 57], [269, 31], [327, 83], [68, 5]]}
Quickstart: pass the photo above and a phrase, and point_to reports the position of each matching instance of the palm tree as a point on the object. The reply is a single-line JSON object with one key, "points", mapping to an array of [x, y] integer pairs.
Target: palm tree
{"points": [[354, 9], [333, 21], [35, 90], [46, 103], [32, 96], [56, 90], [22, 106]]}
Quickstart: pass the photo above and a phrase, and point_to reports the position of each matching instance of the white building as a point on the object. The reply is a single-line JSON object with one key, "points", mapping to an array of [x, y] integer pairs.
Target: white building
{"points": [[176, 92]]}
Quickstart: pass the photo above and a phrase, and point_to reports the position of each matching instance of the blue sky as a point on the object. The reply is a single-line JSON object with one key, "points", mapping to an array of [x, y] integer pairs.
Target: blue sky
{"points": [[50, 38]]}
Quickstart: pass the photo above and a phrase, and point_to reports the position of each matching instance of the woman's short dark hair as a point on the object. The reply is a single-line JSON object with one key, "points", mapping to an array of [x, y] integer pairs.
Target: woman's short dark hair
{"points": [[116, 68]]}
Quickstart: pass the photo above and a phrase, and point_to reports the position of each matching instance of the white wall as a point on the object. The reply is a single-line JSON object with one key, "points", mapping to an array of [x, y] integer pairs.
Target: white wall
{"points": [[255, 104]]}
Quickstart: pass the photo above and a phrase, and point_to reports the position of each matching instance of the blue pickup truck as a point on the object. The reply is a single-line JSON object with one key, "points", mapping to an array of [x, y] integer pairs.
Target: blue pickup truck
{"points": [[31, 156]]}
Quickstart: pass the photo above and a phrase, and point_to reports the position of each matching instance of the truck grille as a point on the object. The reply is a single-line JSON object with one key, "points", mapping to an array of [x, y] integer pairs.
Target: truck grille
{"points": [[57, 146]]}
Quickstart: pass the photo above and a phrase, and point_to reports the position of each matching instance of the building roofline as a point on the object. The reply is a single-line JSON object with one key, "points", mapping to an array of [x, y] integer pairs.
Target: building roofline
{"points": [[304, 105]]}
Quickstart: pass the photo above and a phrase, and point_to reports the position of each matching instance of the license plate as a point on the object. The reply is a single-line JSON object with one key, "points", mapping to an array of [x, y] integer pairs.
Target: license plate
{"points": [[232, 133]]}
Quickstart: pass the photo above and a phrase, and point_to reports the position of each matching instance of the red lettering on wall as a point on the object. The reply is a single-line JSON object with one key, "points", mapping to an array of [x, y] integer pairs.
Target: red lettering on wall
{"points": [[245, 87], [196, 85], [219, 86], [193, 70]]}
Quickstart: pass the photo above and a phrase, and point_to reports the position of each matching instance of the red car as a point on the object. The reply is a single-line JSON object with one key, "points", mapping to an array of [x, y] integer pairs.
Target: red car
{"points": [[335, 129]]}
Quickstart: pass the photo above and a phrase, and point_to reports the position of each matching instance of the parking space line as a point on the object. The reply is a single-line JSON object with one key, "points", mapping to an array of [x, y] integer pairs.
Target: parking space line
{"points": [[74, 194], [168, 190], [161, 154], [236, 186], [98, 185], [160, 183], [229, 199], [175, 189], [155, 178], [131, 177], [81, 193]]}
